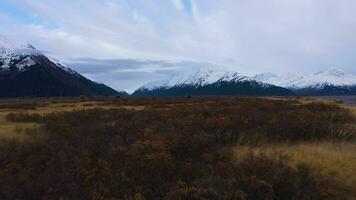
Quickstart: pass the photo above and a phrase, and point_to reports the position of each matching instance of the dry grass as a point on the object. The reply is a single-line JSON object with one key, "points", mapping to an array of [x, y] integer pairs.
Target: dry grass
{"points": [[334, 160]]}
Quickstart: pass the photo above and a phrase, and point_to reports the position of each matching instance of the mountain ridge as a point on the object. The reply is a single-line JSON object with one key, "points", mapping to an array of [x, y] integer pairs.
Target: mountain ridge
{"points": [[26, 72], [331, 76], [331, 81], [327, 82], [209, 82]]}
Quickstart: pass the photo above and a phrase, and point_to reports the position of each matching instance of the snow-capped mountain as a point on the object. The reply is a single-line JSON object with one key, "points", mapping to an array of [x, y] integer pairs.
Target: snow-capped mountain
{"points": [[209, 82], [333, 77], [198, 78], [327, 82], [19, 56], [218, 82], [25, 71], [15, 55]]}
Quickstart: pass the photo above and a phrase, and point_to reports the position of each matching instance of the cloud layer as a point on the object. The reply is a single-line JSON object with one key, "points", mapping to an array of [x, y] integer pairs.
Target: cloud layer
{"points": [[244, 35]]}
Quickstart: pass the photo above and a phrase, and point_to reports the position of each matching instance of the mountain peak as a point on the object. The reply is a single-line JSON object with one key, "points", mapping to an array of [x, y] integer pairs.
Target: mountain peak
{"points": [[14, 53], [25, 71], [331, 76], [200, 77]]}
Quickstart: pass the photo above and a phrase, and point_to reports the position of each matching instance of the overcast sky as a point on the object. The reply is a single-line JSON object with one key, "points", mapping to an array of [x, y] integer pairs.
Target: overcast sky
{"points": [[123, 42]]}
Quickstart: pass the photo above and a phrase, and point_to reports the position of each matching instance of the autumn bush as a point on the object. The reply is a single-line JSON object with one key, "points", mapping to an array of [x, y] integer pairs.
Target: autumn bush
{"points": [[181, 152]]}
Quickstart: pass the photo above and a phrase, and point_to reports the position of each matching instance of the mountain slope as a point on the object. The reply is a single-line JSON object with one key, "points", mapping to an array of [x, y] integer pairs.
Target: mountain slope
{"points": [[24, 71], [209, 82]]}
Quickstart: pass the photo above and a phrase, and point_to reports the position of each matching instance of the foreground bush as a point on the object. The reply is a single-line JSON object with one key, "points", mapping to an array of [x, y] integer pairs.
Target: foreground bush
{"points": [[49, 171]]}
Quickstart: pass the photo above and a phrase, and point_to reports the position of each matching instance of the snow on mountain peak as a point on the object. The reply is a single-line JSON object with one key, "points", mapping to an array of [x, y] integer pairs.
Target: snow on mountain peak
{"points": [[209, 76], [331, 76], [201, 77], [13, 52]]}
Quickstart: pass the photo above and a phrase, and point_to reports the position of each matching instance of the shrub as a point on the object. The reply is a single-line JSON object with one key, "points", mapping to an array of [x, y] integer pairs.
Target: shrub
{"points": [[270, 178]]}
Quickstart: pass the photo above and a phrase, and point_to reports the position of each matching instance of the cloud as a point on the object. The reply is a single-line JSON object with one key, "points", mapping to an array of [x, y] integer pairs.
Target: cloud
{"points": [[247, 36], [129, 74]]}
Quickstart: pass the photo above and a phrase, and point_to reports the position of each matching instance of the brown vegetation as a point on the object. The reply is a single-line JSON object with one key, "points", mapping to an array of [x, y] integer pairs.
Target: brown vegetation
{"points": [[180, 148]]}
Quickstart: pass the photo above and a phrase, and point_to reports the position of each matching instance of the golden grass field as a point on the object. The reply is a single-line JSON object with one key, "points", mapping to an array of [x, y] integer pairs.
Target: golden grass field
{"points": [[334, 160]]}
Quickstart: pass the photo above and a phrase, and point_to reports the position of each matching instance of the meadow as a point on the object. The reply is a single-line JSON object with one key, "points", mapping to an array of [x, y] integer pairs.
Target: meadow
{"points": [[177, 148]]}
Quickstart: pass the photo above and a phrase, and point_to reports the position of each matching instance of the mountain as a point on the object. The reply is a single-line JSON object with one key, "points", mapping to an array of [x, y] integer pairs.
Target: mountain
{"points": [[327, 82], [26, 72], [209, 82]]}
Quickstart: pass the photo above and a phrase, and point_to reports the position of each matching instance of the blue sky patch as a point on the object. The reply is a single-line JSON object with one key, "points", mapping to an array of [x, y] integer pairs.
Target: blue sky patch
{"points": [[17, 14], [187, 4]]}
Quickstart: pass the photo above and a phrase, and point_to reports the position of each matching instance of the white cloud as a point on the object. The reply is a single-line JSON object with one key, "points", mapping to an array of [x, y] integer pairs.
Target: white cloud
{"points": [[248, 36]]}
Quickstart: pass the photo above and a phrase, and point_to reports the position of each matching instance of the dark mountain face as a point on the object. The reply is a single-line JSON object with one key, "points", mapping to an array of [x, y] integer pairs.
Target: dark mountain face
{"points": [[250, 88], [35, 75]]}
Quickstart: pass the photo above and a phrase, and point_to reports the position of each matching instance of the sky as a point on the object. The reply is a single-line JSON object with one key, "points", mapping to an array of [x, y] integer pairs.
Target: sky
{"points": [[126, 43]]}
